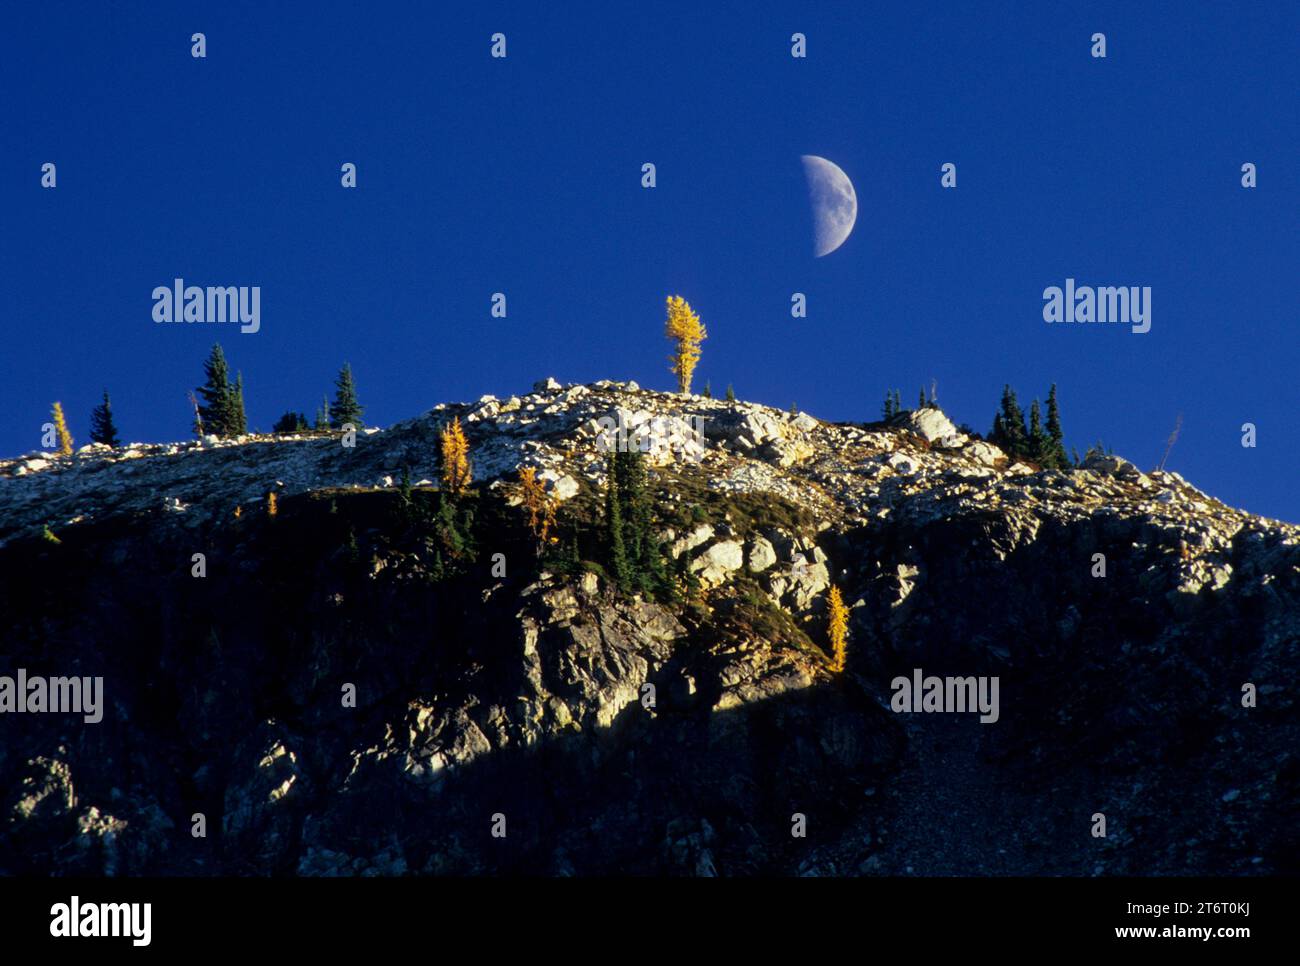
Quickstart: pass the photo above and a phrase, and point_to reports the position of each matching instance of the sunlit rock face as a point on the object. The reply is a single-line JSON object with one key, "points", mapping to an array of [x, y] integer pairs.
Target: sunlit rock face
{"points": [[339, 695]]}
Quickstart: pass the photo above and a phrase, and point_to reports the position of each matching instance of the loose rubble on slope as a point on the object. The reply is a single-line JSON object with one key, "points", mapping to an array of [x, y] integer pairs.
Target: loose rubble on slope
{"points": [[919, 467]]}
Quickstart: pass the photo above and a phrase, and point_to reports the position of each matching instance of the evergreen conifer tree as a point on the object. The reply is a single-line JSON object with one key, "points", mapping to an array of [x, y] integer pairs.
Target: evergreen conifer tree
{"points": [[238, 422], [1060, 460], [998, 434], [346, 408], [1009, 429], [216, 411], [1040, 446], [615, 550], [322, 414], [645, 561], [102, 428]]}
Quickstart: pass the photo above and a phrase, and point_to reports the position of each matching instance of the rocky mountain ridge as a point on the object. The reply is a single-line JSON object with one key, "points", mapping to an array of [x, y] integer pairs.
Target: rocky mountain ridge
{"points": [[523, 696]]}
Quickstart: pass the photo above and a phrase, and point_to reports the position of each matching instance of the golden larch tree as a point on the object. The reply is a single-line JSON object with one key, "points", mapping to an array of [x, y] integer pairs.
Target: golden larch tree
{"points": [[61, 428], [455, 457], [685, 328], [538, 504], [839, 628]]}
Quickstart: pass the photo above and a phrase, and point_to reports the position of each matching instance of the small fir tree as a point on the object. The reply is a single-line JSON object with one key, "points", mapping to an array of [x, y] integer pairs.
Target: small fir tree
{"points": [[1059, 458], [238, 422], [647, 570], [1038, 442], [217, 410], [1010, 433], [102, 428], [346, 408], [615, 549]]}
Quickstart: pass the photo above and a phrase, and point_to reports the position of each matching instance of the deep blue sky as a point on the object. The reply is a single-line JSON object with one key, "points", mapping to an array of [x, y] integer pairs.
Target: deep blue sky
{"points": [[523, 176]]}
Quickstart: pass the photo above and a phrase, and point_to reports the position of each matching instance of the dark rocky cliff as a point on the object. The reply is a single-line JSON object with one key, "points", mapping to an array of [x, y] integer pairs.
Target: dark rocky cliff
{"points": [[521, 695]]}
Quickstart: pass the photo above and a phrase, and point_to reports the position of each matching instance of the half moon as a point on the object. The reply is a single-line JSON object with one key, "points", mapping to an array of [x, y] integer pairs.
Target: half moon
{"points": [[834, 203]]}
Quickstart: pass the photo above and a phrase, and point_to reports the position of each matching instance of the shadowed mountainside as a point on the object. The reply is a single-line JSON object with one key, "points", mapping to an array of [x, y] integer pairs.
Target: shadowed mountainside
{"points": [[480, 695]]}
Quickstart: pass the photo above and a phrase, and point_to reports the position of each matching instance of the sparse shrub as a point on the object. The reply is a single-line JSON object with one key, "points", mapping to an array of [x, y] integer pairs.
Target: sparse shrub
{"points": [[291, 422], [563, 557]]}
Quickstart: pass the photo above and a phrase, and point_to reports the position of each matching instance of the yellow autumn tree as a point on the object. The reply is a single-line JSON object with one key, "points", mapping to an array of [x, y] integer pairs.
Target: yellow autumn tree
{"points": [[539, 506], [272, 505], [61, 428], [839, 628], [455, 457], [685, 328]]}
